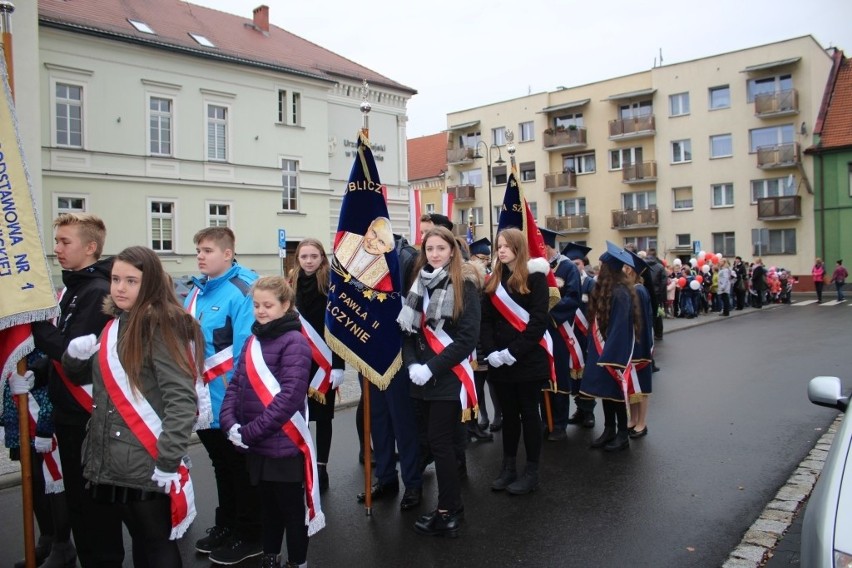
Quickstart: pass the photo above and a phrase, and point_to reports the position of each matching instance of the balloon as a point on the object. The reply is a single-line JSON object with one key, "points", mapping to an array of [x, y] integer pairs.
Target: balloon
{"points": [[700, 262], [714, 259], [692, 262], [694, 284], [705, 269], [701, 255], [681, 282], [678, 262], [699, 279], [719, 256]]}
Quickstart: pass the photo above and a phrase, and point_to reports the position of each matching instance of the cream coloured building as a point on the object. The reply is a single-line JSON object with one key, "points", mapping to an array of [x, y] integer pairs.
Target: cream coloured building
{"points": [[705, 153]]}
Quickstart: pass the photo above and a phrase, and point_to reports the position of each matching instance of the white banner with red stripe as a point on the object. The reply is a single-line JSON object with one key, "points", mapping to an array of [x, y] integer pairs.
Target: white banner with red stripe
{"points": [[321, 354], [145, 424], [266, 386]]}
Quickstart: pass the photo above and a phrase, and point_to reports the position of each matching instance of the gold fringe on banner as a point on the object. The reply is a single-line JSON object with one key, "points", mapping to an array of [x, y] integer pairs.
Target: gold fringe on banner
{"points": [[381, 381]]}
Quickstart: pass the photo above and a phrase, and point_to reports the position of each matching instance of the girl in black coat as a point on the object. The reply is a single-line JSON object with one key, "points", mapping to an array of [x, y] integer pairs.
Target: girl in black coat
{"points": [[518, 364], [441, 318]]}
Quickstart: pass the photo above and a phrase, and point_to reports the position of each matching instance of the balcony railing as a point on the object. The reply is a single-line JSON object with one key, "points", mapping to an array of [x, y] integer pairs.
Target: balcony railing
{"points": [[564, 139], [779, 208], [568, 223], [460, 229], [781, 103], [634, 218], [460, 155], [779, 156], [636, 127], [462, 192], [639, 173], [564, 181]]}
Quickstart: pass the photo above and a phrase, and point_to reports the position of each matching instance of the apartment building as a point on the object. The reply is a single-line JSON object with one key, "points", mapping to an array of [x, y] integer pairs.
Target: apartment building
{"points": [[164, 117], [701, 155]]}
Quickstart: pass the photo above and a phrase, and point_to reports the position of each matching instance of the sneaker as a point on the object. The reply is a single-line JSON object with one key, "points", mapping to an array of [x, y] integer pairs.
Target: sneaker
{"points": [[235, 551], [216, 537]]}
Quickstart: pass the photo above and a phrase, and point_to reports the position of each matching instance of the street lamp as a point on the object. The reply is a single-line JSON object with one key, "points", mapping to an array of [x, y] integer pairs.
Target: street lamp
{"points": [[500, 161]]}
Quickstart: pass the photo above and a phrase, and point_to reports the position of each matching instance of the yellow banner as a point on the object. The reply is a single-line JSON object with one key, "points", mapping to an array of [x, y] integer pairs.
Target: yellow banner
{"points": [[26, 291]]}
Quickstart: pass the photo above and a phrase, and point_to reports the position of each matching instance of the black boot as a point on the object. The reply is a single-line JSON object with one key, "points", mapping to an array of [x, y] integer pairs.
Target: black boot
{"points": [[322, 473], [527, 483], [577, 417], [507, 475], [478, 433], [588, 419], [62, 555], [606, 437], [621, 441], [445, 523], [42, 551], [497, 424]]}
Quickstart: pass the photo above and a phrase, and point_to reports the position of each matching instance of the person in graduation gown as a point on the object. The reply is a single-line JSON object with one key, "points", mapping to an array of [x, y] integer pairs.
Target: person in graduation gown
{"points": [[643, 353]]}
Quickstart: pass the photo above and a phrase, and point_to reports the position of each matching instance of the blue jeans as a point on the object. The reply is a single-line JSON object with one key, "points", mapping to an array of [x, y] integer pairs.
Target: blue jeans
{"points": [[839, 286]]}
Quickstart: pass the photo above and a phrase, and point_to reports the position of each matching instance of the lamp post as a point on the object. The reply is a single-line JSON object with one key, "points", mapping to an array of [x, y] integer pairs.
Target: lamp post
{"points": [[500, 161]]}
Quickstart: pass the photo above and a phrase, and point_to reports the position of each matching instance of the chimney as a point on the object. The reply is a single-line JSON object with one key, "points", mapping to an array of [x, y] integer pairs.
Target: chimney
{"points": [[261, 18]]}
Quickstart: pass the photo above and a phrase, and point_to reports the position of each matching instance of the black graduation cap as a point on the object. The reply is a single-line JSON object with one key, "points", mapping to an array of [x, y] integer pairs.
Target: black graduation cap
{"points": [[481, 246], [441, 220], [576, 251], [549, 236], [616, 257], [639, 264]]}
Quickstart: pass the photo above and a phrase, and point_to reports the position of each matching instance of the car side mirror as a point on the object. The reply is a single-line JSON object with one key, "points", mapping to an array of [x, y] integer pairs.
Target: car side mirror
{"points": [[826, 391]]}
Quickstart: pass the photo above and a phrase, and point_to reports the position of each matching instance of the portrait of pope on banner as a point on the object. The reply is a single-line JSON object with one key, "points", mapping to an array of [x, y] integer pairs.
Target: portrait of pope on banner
{"points": [[363, 256]]}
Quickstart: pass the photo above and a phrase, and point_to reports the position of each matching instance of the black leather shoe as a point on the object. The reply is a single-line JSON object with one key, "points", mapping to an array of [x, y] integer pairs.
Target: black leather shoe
{"points": [[588, 420], [410, 498], [380, 491], [478, 433], [607, 436], [497, 424], [577, 417], [440, 524], [655, 369], [620, 442], [634, 433], [459, 513]]}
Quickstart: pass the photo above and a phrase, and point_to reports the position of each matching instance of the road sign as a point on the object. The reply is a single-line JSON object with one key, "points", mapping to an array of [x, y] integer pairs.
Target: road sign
{"points": [[282, 243]]}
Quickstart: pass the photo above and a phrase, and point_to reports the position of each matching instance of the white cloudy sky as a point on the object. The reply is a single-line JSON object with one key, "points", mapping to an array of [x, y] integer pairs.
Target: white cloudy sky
{"points": [[460, 54]]}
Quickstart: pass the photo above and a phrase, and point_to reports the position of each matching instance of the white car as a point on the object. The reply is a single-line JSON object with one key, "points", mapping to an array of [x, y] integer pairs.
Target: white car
{"points": [[827, 527]]}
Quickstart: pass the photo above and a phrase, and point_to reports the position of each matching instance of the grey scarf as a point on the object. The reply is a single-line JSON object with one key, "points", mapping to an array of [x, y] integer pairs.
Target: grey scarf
{"points": [[440, 308]]}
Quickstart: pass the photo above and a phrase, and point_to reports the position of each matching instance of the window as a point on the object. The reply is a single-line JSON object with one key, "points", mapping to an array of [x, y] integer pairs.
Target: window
{"points": [[289, 108], [218, 215], [217, 132], [569, 120], [850, 179], [768, 85], [430, 208], [682, 197], [499, 173], [469, 140], [477, 216], [202, 40], [641, 243], [773, 241], [679, 104], [70, 204], [498, 136], [635, 110], [638, 200], [162, 220], [141, 26], [723, 194], [160, 126], [69, 115], [773, 187], [579, 163], [533, 208], [495, 218], [527, 171], [683, 240], [567, 207], [471, 177], [725, 243], [624, 157], [770, 136], [289, 185], [527, 132], [681, 151], [721, 146], [720, 97]]}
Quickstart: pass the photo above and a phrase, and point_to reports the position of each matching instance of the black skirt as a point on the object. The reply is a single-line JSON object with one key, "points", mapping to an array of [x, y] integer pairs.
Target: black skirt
{"points": [[262, 468], [319, 411]]}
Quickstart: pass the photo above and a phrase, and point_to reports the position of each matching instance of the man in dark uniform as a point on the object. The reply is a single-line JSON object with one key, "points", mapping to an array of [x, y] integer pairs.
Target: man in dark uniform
{"points": [[480, 256], [584, 415]]}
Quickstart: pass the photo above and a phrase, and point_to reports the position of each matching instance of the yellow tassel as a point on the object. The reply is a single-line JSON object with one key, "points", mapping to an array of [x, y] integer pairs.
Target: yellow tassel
{"points": [[316, 395]]}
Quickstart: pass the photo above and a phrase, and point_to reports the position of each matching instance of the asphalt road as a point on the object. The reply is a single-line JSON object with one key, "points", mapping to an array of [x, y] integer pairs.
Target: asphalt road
{"points": [[728, 423]]}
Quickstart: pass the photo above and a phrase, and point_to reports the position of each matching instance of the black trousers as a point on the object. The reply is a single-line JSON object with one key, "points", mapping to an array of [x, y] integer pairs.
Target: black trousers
{"points": [[615, 415], [284, 512], [520, 413], [739, 294], [443, 418], [818, 287], [101, 547], [238, 499]]}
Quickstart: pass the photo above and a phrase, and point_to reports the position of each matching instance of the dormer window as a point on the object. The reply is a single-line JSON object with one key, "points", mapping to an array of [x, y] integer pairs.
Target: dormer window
{"points": [[201, 40], [142, 27]]}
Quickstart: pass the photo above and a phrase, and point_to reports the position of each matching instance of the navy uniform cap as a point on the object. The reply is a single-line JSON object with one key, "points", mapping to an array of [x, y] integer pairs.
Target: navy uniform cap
{"points": [[616, 257], [441, 220], [549, 236], [576, 251], [481, 246], [639, 264]]}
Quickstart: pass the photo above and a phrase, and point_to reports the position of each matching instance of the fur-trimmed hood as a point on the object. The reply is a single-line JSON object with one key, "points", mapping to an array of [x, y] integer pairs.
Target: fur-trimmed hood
{"points": [[538, 265], [474, 273], [109, 308]]}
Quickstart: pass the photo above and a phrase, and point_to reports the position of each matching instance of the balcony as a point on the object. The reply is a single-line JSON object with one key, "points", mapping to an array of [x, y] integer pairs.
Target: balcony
{"points": [[564, 139], [565, 181], [779, 208], [634, 218], [460, 155], [643, 172], [568, 223], [462, 193], [629, 128], [778, 156], [781, 103]]}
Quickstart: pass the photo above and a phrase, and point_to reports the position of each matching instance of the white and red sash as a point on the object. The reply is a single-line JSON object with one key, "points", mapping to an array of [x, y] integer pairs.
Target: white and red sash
{"points": [[81, 393], [266, 386], [438, 340], [51, 467], [518, 317], [321, 354], [626, 378], [146, 425], [576, 361], [219, 363]]}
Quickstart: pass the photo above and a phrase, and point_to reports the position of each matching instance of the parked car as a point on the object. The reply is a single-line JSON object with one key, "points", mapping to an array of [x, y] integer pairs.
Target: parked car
{"points": [[827, 527]]}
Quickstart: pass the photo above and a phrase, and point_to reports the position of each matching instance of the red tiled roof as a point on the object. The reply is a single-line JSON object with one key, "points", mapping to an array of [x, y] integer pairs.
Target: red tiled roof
{"points": [[837, 124], [235, 38], [427, 156]]}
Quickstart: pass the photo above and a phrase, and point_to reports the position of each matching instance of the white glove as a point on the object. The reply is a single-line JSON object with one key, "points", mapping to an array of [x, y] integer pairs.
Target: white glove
{"points": [[83, 347], [506, 357], [336, 378], [494, 359], [21, 384], [43, 445], [166, 480], [235, 437], [420, 374]]}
